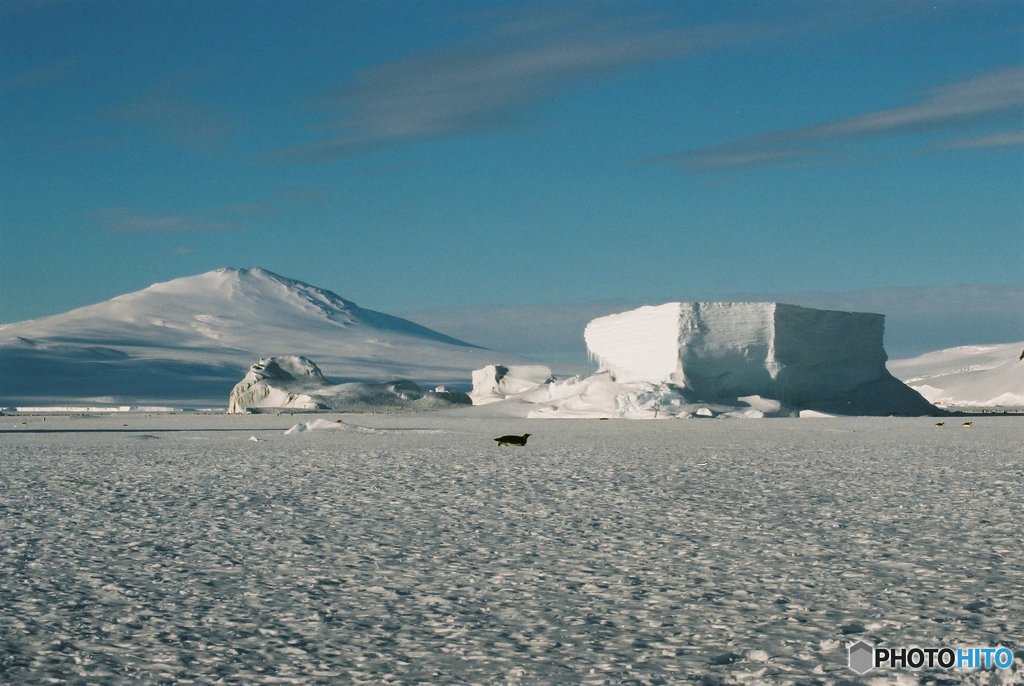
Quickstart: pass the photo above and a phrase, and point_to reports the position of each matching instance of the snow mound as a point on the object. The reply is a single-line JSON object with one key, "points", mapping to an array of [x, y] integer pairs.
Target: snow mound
{"points": [[293, 382], [325, 425], [972, 376], [601, 397]]}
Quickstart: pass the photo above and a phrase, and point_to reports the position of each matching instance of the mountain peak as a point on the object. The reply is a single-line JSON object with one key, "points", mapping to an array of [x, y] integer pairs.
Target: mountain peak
{"points": [[230, 289], [240, 274], [219, 322]]}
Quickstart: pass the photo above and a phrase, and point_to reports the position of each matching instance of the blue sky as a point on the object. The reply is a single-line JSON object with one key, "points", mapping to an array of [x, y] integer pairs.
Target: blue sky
{"points": [[421, 155]]}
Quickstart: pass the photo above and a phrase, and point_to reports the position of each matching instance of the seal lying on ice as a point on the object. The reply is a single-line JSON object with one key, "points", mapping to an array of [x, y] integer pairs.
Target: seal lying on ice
{"points": [[512, 440]]}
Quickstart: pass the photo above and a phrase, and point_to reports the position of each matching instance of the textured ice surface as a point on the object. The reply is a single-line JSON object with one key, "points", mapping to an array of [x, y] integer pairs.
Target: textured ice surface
{"points": [[175, 549]]}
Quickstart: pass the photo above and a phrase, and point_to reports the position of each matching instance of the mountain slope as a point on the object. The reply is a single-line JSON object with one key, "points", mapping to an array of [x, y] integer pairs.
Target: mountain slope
{"points": [[191, 339], [982, 376]]}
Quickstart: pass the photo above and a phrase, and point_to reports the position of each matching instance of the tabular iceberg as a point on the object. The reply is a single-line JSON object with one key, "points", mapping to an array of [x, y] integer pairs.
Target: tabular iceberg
{"points": [[723, 349], [717, 351], [736, 359]]}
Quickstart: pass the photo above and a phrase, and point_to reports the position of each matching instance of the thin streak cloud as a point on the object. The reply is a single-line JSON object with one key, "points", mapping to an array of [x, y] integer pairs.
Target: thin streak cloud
{"points": [[953, 105], [1003, 139], [991, 97], [487, 83]]}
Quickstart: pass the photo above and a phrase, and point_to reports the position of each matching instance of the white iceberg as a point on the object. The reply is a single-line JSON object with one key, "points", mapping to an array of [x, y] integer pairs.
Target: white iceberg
{"points": [[724, 349], [293, 382], [710, 359], [497, 382]]}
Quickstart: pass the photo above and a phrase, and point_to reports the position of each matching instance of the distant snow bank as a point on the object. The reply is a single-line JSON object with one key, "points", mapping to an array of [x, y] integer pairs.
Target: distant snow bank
{"points": [[718, 359], [970, 376]]}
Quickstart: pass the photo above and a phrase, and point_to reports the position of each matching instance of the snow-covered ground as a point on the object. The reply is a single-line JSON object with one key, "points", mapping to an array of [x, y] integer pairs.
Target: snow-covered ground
{"points": [[411, 549]]}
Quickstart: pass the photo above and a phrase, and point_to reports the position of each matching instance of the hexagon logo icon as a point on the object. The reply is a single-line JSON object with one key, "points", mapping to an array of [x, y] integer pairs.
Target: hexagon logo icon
{"points": [[862, 657]]}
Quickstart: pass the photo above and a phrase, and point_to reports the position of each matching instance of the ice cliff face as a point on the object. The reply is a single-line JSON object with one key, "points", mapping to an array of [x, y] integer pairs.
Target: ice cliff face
{"points": [[725, 350], [291, 382]]}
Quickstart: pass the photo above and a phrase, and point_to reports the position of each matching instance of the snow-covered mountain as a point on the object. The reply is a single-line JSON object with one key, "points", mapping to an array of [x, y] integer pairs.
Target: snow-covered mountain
{"points": [[970, 376], [189, 340]]}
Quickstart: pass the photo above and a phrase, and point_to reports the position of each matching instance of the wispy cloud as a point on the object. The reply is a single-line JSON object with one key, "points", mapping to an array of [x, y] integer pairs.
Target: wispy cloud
{"points": [[177, 114], [488, 82], [987, 98], [957, 104], [1003, 139], [131, 220]]}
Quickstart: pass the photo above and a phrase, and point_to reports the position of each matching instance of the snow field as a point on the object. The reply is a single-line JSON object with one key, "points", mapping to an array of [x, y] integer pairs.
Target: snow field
{"points": [[975, 376], [176, 549]]}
